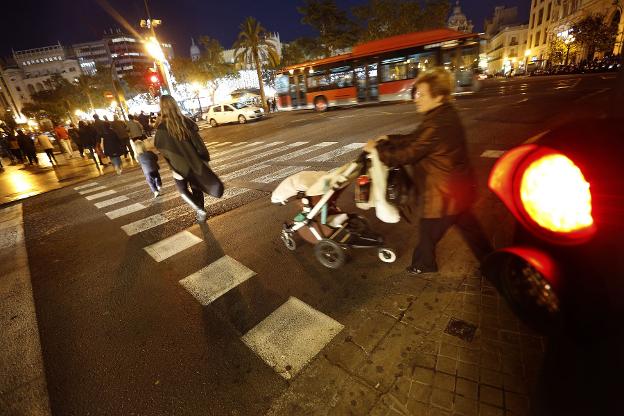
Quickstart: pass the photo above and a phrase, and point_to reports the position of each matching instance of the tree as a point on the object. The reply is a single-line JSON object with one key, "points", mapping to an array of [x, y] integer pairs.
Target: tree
{"points": [[383, 18], [594, 34], [336, 30], [560, 51], [301, 50], [253, 47]]}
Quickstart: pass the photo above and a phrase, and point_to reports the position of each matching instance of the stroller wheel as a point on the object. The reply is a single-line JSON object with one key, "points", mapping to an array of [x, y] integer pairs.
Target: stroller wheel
{"points": [[330, 254], [289, 241], [386, 255]]}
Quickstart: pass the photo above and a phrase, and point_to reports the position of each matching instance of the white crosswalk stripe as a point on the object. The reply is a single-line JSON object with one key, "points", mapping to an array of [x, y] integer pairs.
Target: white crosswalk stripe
{"points": [[173, 245], [258, 156], [120, 212], [301, 152], [88, 185], [338, 152], [282, 173], [111, 201], [101, 195], [90, 190], [145, 224], [246, 151], [216, 279]]}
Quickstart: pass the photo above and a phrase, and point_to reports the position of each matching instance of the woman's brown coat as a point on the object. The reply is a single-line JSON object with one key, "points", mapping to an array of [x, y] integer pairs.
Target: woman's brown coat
{"points": [[437, 153]]}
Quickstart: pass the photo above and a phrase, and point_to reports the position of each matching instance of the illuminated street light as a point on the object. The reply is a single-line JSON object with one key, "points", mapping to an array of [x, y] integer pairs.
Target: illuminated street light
{"points": [[153, 48], [197, 88]]}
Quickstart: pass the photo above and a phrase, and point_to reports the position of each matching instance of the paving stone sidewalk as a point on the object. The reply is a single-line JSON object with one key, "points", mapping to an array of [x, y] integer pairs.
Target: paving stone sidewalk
{"points": [[395, 358]]}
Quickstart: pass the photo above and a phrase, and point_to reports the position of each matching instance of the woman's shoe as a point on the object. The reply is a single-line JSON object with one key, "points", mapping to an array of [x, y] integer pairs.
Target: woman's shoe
{"points": [[201, 215], [416, 271]]}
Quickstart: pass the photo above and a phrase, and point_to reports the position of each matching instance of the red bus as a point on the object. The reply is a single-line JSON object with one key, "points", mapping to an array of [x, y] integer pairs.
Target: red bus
{"points": [[381, 70]]}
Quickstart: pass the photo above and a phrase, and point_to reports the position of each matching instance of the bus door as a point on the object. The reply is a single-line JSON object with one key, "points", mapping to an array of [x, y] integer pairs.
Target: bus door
{"points": [[366, 83], [301, 88]]}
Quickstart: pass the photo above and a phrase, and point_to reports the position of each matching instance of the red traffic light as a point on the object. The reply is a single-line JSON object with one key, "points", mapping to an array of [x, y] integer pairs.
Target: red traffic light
{"points": [[154, 79]]}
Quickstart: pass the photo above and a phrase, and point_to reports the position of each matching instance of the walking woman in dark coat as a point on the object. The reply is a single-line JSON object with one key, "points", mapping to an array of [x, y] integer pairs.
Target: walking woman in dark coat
{"points": [[27, 145], [178, 140], [89, 139], [112, 146], [437, 154]]}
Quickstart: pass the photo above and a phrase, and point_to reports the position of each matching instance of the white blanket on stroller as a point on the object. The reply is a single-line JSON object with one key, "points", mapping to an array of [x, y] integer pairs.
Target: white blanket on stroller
{"points": [[378, 173], [291, 186]]}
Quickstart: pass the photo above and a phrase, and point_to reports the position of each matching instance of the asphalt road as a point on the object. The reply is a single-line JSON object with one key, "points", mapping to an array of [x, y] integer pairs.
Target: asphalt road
{"points": [[121, 335]]}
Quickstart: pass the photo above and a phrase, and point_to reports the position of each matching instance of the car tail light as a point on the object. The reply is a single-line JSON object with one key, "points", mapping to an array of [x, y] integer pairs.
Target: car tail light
{"points": [[547, 192]]}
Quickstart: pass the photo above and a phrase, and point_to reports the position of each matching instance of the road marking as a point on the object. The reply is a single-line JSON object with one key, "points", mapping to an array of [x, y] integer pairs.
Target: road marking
{"points": [[226, 152], [244, 171], [216, 279], [536, 137], [338, 152], [282, 173], [90, 190], [600, 91], [291, 336], [300, 152], [220, 144], [171, 246], [101, 195], [152, 221], [260, 155], [247, 151], [109, 202], [495, 154], [23, 384], [125, 211], [298, 120], [145, 224], [78, 188], [211, 143]]}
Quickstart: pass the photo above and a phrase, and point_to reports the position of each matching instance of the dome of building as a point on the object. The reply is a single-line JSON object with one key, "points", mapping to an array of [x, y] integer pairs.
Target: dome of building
{"points": [[195, 52], [459, 21]]}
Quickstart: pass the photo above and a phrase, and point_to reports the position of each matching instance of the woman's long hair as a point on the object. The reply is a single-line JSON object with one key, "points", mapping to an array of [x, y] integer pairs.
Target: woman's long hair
{"points": [[176, 124]]}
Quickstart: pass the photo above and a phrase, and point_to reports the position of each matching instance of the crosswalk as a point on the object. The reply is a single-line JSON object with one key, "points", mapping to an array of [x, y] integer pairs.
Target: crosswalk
{"points": [[248, 169]]}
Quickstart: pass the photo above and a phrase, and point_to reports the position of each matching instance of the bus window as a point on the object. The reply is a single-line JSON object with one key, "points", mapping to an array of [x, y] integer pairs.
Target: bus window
{"points": [[318, 80], [397, 69], [282, 84], [341, 77]]}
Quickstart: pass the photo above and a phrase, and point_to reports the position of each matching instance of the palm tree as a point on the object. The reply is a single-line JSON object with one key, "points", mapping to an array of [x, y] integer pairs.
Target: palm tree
{"points": [[254, 47]]}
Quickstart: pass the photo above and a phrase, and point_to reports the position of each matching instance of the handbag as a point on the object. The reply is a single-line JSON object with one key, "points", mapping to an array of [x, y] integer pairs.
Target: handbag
{"points": [[398, 186]]}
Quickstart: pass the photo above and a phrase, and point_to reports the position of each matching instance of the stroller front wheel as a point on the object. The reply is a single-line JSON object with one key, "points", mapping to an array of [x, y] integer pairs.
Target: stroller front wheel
{"points": [[330, 254], [289, 241], [387, 255]]}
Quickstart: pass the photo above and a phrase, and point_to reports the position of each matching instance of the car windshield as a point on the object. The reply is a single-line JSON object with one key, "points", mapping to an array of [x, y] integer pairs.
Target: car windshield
{"points": [[238, 106]]}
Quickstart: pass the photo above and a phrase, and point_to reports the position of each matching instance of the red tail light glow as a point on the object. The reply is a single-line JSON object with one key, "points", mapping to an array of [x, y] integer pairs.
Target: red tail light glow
{"points": [[546, 192], [556, 195]]}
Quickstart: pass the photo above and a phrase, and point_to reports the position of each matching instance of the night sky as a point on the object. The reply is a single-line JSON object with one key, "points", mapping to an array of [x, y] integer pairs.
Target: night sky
{"points": [[29, 24]]}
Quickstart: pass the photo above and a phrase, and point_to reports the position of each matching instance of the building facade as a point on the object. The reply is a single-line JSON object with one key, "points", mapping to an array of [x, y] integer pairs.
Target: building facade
{"points": [[550, 18], [90, 55], [31, 72], [505, 50], [502, 17]]}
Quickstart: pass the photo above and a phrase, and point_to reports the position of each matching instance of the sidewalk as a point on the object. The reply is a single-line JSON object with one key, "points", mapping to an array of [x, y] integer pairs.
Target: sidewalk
{"points": [[443, 345], [21, 181]]}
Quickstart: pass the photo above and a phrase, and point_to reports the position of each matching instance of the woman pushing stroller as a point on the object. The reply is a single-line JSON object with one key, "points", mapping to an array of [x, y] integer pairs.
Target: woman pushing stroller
{"points": [[437, 153]]}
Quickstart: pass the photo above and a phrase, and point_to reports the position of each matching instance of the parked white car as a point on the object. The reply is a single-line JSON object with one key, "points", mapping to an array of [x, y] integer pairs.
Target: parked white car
{"points": [[233, 113]]}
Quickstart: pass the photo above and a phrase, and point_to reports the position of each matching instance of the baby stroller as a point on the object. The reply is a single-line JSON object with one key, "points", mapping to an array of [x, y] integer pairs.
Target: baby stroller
{"points": [[321, 223]]}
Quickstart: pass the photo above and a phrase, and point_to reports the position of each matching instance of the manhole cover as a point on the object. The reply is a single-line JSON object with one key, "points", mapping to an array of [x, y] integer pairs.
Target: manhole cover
{"points": [[461, 329]]}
